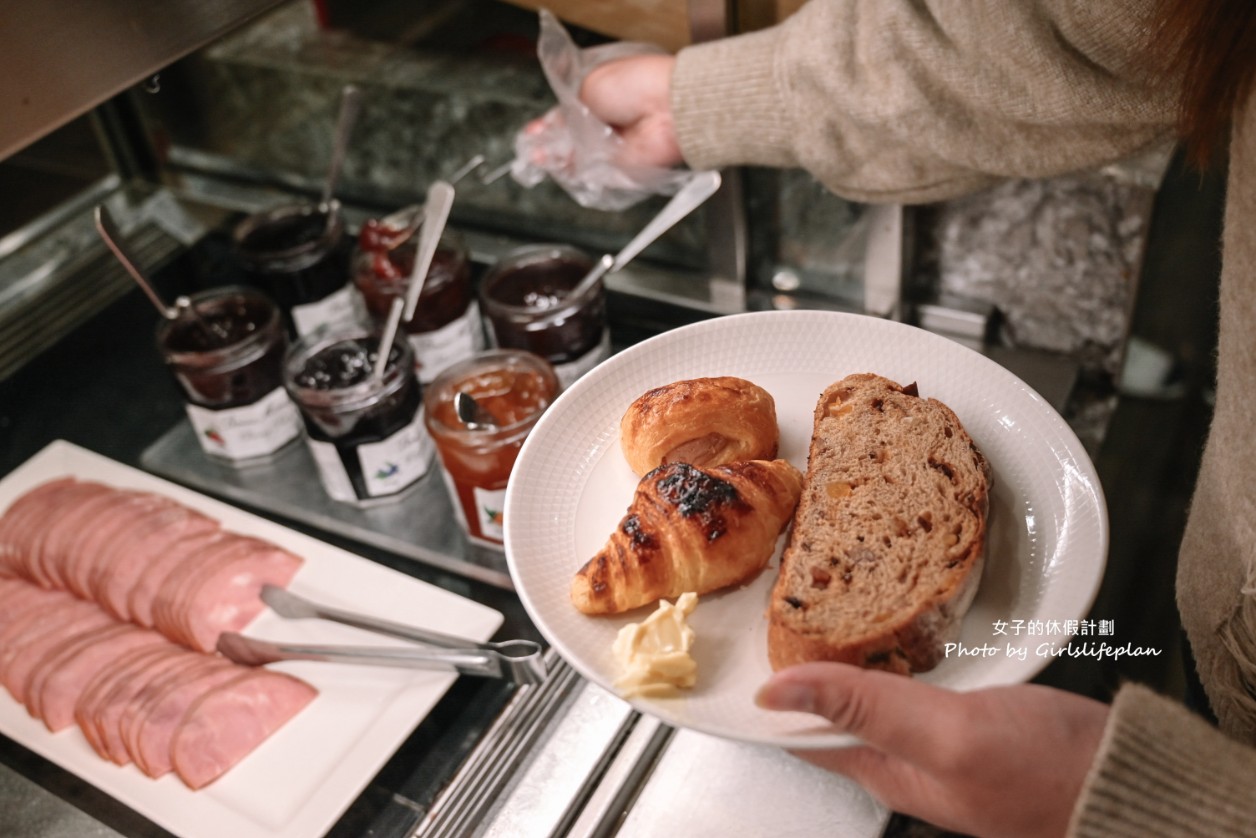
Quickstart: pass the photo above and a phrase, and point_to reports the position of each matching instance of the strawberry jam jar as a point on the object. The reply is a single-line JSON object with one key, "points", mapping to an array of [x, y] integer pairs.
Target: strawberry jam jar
{"points": [[514, 388], [446, 324], [227, 354]]}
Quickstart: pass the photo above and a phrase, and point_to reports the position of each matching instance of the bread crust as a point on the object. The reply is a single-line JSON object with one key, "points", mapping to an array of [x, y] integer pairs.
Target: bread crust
{"points": [[701, 421], [887, 548]]}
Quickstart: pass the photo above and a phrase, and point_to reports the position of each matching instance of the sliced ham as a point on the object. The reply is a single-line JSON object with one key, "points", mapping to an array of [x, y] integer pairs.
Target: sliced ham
{"points": [[19, 597], [114, 577], [167, 599], [99, 698], [36, 643], [153, 687], [191, 550], [162, 713], [73, 520], [86, 572], [227, 596], [52, 697], [229, 722], [95, 541], [49, 529], [109, 713], [15, 534]]}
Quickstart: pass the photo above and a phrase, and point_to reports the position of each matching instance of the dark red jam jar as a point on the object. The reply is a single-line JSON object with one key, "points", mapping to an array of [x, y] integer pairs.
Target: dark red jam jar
{"points": [[528, 301], [297, 254], [227, 354], [366, 434], [446, 326]]}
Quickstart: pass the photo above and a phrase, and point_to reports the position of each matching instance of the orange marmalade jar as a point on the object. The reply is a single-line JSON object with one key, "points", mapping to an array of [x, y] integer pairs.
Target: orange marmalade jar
{"points": [[514, 387]]}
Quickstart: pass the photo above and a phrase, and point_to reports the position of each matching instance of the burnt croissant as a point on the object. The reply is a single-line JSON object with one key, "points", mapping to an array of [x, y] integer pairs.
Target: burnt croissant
{"points": [[690, 529], [702, 421]]}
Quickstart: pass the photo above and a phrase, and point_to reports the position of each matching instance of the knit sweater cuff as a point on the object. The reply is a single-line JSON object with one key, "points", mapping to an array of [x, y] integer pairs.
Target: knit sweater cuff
{"points": [[726, 103], [1161, 771]]}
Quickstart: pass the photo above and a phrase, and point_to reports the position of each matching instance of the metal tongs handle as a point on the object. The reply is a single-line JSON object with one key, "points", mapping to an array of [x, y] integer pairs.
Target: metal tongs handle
{"points": [[294, 607], [520, 661], [253, 652]]}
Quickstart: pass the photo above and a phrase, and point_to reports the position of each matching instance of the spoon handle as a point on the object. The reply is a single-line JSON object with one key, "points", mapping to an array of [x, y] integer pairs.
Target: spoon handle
{"points": [[112, 236], [440, 199], [350, 105], [688, 198]]}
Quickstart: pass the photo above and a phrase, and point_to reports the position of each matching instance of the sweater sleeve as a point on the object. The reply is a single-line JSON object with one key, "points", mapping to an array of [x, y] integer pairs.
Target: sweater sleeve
{"points": [[920, 100], [1161, 771]]}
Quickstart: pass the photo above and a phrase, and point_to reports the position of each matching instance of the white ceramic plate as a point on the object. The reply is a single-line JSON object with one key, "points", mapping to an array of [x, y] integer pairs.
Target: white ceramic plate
{"points": [[298, 782], [1047, 539]]}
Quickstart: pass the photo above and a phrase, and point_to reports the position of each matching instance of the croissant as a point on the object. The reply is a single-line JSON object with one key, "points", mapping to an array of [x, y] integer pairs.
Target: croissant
{"points": [[690, 529], [702, 421]]}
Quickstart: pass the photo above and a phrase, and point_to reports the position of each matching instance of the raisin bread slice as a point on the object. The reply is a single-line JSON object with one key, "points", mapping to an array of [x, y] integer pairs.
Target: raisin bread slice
{"points": [[886, 549]]}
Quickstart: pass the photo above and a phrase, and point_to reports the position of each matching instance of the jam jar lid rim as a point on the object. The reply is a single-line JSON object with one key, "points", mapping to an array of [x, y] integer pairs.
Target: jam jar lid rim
{"points": [[528, 255], [462, 432], [239, 353], [356, 395], [332, 232]]}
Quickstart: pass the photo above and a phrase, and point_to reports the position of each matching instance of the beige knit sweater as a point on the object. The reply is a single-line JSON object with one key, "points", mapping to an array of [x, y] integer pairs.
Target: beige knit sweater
{"points": [[920, 100]]}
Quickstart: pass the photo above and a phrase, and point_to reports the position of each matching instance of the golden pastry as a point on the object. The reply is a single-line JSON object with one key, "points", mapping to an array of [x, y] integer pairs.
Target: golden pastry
{"points": [[701, 421]]}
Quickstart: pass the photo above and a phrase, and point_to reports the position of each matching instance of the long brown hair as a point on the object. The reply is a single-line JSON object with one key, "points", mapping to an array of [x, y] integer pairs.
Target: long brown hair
{"points": [[1211, 46]]}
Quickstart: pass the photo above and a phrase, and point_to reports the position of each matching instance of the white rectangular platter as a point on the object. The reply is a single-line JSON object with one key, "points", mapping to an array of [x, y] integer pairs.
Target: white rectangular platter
{"points": [[299, 782]]}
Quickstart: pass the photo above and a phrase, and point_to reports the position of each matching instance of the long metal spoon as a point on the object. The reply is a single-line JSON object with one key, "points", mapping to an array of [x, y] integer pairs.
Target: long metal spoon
{"points": [[440, 198], [407, 220], [688, 198], [350, 106], [112, 236], [108, 229]]}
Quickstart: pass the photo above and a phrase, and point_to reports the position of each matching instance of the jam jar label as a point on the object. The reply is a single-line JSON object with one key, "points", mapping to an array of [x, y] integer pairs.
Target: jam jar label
{"points": [[335, 310], [460, 338], [387, 466], [254, 430], [569, 371], [488, 511]]}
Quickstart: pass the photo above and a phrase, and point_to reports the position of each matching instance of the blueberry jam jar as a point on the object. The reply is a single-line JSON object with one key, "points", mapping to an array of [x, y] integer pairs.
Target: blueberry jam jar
{"points": [[298, 255], [226, 351], [365, 432]]}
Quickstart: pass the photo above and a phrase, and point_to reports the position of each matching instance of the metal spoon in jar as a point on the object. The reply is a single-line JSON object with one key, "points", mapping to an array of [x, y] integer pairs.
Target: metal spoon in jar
{"points": [[350, 105], [471, 413], [182, 308], [688, 198], [440, 198], [407, 221]]}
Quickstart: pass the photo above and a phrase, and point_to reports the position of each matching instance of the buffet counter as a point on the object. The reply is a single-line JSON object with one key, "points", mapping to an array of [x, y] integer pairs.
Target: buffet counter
{"points": [[561, 757]]}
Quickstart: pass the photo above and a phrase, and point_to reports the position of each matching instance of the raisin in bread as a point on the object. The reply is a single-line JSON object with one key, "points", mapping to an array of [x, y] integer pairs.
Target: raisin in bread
{"points": [[886, 549]]}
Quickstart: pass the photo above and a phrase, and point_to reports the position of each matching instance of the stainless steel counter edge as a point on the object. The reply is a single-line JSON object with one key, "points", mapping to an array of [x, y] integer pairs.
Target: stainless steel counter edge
{"points": [[568, 758]]}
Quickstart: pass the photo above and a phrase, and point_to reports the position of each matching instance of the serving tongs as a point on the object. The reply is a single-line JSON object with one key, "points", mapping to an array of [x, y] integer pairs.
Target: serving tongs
{"points": [[518, 661]]}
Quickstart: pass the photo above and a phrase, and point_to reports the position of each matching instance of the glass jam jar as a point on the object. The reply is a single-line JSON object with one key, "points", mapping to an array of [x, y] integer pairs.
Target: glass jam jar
{"points": [[446, 325], [366, 434], [515, 387], [227, 355], [297, 254], [527, 300]]}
